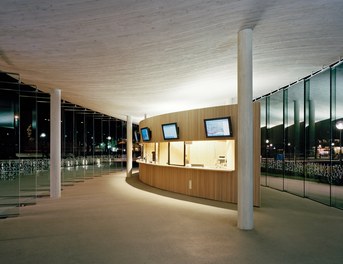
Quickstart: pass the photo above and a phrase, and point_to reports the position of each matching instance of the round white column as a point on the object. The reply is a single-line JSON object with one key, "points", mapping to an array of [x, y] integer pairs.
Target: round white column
{"points": [[245, 150], [55, 143], [129, 147]]}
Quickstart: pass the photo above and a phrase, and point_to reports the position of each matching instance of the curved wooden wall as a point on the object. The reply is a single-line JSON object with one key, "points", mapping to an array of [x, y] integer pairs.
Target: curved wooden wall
{"points": [[211, 184], [191, 123]]}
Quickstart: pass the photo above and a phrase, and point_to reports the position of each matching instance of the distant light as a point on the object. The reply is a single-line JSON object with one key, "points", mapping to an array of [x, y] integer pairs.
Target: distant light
{"points": [[16, 117], [109, 137], [43, 135], [339, 125]]}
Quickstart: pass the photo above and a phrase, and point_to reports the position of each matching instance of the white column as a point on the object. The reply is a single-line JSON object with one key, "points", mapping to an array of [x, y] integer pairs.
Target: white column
{"points": [[245, 219], [55, 144], [129, 147]]}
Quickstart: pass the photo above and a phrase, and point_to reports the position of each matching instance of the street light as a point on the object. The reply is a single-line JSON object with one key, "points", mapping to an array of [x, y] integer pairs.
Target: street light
{"points": [[339, 126], [267, 152]]}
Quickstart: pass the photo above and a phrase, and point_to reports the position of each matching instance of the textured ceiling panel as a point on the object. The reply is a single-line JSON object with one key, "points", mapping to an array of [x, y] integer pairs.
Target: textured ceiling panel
{"points": [[137, 57]]}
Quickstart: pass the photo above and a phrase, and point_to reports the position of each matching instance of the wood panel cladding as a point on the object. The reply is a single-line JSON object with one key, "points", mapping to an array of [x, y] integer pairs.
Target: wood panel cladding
{"points": [[210, 184], [190, 123]]}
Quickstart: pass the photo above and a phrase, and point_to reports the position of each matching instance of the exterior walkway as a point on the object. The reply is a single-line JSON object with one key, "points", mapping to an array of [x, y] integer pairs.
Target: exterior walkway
{"points": [[110, 219]]}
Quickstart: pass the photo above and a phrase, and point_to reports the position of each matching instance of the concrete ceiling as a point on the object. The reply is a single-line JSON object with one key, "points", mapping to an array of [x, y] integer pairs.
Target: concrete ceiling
{"points": [[137, 57]]}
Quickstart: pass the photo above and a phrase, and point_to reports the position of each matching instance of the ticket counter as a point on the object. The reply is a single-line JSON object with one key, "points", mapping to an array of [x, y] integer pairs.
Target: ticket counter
{"points": [[215, 154], [194, 164]]}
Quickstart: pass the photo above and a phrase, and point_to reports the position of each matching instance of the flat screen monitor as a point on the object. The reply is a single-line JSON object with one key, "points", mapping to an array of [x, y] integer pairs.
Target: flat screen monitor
{"points": [[146, 134], [170, 131], [218, 127]]}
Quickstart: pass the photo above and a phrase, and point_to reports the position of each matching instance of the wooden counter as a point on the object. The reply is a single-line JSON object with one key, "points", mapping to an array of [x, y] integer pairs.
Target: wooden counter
{"points": [[210, 183], [205, 182]]}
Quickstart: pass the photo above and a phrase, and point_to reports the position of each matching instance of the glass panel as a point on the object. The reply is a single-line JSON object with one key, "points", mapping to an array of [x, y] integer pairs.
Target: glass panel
{"points": [[337, 117], [309, 153], [212, 154], [106, 140], [80, 144], [122, 137], [9, 142], [318, 137], [264, 144], [68, 157], [28, 144], [98, 145], [87, 138], [177, 153], [275, 141], [294, 144], [149, 152], [116, 161], [89, 144], [43, 139], [67, 135], [80, 136]]}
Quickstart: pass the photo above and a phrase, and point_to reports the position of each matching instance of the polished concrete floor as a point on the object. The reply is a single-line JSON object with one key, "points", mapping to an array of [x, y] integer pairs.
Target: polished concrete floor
{"points": [[111, 219]]}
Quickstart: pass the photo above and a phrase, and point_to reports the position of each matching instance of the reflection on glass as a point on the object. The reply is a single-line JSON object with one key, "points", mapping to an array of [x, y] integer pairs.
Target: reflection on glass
{"points": [[337, 118], [301, 149], [317, 129], [294, 147], [275, 146], [25, 144]]}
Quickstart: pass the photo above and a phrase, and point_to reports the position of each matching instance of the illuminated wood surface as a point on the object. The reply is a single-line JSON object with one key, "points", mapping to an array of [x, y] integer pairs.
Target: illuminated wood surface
{"points": [[206, 183]]}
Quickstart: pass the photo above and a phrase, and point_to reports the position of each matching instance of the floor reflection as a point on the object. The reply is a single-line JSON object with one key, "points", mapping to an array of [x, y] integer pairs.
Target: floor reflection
{"points": [[21, 186]]}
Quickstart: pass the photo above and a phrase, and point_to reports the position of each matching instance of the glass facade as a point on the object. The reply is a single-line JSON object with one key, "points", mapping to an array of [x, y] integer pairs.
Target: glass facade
{"points": [[293, 133], [301, 137], [92, 144]]}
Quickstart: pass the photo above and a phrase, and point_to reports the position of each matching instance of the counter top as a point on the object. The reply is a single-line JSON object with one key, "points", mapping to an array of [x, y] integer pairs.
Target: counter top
{"points": [[188, 166]]}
